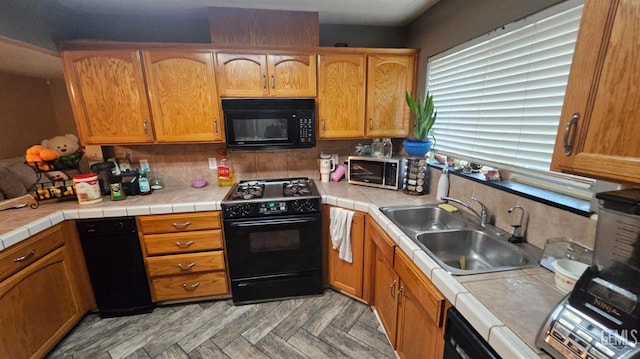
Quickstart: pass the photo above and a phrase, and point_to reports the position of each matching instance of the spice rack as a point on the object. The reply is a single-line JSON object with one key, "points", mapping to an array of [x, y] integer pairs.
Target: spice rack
{"points": [[416, 177]]}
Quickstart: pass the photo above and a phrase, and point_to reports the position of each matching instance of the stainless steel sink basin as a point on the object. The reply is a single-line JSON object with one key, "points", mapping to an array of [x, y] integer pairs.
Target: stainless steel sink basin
{"points": [[416, 219], [473, 251]]}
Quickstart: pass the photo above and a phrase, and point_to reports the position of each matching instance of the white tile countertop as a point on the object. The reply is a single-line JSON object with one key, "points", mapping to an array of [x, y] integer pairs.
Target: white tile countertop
{"points": [[506, 308]]}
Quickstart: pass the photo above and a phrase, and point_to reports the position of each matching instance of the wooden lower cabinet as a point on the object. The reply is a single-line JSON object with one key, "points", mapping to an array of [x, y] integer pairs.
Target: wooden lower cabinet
{"points": [[341, 275], [40, 303], [184, 255], [410, 308]]}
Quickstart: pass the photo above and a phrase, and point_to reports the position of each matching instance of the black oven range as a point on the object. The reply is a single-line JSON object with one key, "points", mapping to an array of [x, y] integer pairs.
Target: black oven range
{"points": [[273, 239]]}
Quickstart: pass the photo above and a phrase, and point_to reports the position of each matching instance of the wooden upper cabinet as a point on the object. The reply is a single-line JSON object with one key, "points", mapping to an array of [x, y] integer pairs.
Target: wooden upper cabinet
{"points": [[388, 78], [182, 93], [602, 96], [241, 74], [108, 96], [264, 75], [341, 95]]}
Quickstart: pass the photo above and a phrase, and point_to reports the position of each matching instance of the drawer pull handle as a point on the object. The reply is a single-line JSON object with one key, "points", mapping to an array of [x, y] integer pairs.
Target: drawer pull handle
{"points": [[191, 287], [393, 289], [400, 291], [182, 225], [184, 245], [25, 257], [186, 267], [273, 82]]}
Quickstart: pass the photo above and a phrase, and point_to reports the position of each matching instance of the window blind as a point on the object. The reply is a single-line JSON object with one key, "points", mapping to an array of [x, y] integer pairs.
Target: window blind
{"points": [[499, 97]]}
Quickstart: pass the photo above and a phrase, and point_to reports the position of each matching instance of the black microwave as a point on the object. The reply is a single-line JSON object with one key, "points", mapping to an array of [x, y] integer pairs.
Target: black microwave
{"points": [[376, 172], [269, 123]]}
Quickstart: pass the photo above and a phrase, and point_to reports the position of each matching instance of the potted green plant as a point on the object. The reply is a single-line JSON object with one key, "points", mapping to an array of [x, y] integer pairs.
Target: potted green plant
{"points": [[424, 117]]}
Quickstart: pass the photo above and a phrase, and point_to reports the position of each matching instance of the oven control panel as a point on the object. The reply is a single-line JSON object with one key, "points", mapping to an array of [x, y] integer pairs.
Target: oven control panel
{"points": [[271, 208]]}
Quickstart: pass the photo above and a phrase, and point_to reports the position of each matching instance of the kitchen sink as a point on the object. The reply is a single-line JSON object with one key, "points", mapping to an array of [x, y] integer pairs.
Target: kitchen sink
{"points": [[423, 218], [459, 244], [473, 251]]}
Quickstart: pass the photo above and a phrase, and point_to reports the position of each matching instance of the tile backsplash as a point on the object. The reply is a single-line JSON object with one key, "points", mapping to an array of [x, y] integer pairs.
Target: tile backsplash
{"points": [[178, 164], [541, 221]]}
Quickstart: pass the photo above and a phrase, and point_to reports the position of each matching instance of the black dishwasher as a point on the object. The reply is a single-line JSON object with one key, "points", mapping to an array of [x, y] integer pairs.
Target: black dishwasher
{"points": [[116, 266], [462, 341]]}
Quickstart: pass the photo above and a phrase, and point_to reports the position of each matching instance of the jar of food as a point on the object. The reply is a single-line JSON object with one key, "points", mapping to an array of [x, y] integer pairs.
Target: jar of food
{"points": [[87, 188]]}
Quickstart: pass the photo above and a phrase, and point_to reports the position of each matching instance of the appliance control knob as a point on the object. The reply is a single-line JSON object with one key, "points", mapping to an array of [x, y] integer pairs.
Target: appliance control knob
{"points": [[304, 205]]}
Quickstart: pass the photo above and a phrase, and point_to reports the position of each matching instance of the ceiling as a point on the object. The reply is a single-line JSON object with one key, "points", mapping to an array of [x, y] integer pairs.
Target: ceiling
{"points": [[24, 59], [351, 12]]}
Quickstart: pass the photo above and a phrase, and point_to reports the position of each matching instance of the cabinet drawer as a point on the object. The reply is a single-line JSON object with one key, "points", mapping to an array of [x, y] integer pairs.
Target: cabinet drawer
{"points": [[182, 222], [185, 263], [189, 286], [171, 243], [431, 300], [22, 254]]}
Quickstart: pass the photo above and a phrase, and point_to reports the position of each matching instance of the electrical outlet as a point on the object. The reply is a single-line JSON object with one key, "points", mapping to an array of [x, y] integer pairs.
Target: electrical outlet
{"points": [[213, 163], [128, 154]]}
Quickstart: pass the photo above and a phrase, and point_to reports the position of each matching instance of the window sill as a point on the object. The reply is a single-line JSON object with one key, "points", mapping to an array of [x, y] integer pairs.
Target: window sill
{"points": [[553, 199]]}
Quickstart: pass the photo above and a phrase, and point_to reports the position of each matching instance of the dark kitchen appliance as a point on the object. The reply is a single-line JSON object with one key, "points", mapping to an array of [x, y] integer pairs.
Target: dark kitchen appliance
{"points": [[462, 341], [130, 182], [273, 239], [600, 318], [269, 123], [116, 267], [104, 171]]}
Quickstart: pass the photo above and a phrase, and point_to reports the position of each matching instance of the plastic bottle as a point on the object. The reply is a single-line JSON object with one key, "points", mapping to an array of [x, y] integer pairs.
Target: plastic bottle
{"points": [[143, 183], [225, 172], [443, 186]]}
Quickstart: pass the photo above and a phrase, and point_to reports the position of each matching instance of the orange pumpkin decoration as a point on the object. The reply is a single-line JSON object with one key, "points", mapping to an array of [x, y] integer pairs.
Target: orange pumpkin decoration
{"points": [[48, 155]]}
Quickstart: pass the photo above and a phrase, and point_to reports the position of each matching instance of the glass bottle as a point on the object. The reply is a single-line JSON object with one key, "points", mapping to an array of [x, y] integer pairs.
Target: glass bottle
{"points": [[376, 147], [387, 147], [143, 182], [225, 173]]}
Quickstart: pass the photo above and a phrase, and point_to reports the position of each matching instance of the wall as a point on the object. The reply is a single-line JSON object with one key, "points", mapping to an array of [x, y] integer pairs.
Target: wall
{"points": [[452, 22], [363, 36], [28, 112]]}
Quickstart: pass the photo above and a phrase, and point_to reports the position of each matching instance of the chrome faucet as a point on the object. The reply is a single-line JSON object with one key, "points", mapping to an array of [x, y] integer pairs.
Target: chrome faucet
{"points": [[517, 236], [483, 215]]}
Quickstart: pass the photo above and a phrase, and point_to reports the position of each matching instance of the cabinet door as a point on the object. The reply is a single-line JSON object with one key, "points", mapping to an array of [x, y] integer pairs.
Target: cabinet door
{"points": [[347, 277], [38, 305], [241, 75], [108, 97], [183, 96], [386, 288], [292, 75], [416, 337], [603, 93], [341, 96], [389, 78]]}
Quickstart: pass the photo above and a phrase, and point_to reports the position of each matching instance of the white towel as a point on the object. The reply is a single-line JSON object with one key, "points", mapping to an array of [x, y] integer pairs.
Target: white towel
{"points": [[341, 232]]}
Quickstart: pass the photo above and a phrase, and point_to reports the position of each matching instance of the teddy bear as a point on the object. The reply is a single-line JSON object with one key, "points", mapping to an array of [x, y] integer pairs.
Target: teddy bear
{"points": [[68, 152], [63, 145]]}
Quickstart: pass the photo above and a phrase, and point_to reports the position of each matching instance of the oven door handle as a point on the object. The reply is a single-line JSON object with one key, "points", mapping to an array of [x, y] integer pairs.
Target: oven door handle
{"points": [[272, 222]]}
